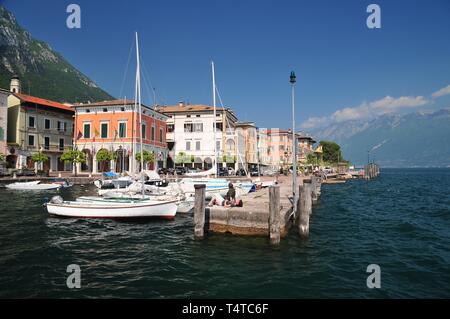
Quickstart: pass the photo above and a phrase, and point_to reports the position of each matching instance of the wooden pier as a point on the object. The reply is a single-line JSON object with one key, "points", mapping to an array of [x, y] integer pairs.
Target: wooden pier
{"points": [[371, 171], [267, 212]]}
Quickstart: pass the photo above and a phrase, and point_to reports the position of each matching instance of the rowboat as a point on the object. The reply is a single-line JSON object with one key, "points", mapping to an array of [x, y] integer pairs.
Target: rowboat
{"points": [[34, 185], [131, 208]]}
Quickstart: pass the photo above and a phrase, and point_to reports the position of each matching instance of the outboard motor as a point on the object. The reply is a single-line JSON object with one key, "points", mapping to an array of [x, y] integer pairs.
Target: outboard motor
{"points": [[56, 200]]}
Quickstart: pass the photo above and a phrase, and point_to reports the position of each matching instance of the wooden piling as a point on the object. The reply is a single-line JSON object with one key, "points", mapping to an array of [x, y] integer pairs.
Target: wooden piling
{"points": [[304, 208], [199, 211], [274, 214]]}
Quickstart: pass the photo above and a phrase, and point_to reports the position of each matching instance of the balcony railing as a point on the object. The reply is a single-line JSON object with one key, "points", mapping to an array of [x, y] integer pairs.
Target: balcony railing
{"points": [[49, 148]]}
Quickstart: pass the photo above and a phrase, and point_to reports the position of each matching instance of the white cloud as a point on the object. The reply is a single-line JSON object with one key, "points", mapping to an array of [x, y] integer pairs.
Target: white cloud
{"points": [[441, 92], [366, 110]]}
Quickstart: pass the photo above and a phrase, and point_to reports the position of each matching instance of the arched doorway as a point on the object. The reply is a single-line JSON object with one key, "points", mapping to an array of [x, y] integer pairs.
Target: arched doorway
{"points": [[60, 164], [11, 161], [122, 161], [198, 163], [207, 163], [87, 166]]}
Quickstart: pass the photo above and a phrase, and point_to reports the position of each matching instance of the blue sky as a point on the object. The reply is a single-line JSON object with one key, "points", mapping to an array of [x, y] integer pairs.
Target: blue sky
{"points": [[341, 65]]}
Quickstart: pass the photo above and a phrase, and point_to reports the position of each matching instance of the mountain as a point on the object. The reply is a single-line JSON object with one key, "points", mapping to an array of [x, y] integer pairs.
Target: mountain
{"points": [[43, 72], [410, 140]]}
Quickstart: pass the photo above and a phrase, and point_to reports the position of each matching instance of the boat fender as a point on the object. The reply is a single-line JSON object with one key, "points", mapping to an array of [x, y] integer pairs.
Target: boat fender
{"points": [[56, 200]]}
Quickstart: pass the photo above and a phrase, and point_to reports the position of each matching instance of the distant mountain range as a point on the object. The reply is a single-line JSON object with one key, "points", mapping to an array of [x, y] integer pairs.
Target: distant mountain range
{"points": [[43, 72], [410, 140]]}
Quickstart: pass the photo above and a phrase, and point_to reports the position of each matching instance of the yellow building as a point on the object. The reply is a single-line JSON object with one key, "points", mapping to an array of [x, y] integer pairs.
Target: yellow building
{"points": [[38, 125], [249, 142]]}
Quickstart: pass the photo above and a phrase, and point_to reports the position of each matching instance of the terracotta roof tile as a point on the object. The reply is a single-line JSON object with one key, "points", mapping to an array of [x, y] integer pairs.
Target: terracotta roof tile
{"points": [[38, 100]]}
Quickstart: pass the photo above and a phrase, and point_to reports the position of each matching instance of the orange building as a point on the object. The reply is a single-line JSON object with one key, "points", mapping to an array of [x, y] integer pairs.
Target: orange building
{"points": [[114, 126]]}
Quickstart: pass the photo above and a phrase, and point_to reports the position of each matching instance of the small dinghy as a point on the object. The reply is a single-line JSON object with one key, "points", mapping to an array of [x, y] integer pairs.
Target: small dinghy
{"points": [[34, 185], [123, 208]]}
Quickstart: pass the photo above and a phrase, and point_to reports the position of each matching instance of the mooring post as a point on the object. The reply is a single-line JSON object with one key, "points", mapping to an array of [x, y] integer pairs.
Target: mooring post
{"points": [[274, 214], [199, 211], [304, 208], [314, 195]]}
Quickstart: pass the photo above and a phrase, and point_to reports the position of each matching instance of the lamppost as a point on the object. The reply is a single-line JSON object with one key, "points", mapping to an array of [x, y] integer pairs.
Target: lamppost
{"points": [[292, 80]]}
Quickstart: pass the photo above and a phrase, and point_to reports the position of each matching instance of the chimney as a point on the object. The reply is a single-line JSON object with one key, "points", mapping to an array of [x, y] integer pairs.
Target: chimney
{"points": [[14, 86]]}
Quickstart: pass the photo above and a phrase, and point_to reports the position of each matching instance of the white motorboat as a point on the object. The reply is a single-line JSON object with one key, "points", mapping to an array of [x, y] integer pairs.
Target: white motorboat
{"points": [[129, 208], [34, 185]]}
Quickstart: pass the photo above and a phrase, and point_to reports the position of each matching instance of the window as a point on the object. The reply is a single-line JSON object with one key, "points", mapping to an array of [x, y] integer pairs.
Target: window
{"points": [[31, 140], [170, 128], [219, 126], [198, 115], [87, 130], [31, 121], [160, 135], [144, 131], [61, 144], [188, 146], [188, 127], [58, 126], [198, 127], [188, 115], [105, 109], [47, 124], [88, 111], [197, 146], [104, 130], [122, 129], [153, 133], [47, 143], [122, 109], [217, 145]]}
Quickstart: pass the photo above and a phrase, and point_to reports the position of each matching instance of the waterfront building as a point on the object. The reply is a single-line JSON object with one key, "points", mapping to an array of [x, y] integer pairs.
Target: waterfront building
{"points": [[305, 146], [249, 139], [263, 148], [3, 120], [190, 135], [114, 126], [37, 125], [280, 148]]}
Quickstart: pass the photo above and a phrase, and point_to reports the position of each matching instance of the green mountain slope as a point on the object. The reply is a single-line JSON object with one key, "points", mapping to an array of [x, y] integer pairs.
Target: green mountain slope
{"points": [[42, 71]]}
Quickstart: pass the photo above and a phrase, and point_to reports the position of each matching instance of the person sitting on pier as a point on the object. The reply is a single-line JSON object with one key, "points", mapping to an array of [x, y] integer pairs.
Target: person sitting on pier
{"points": [[231, 194], [229, 200]]}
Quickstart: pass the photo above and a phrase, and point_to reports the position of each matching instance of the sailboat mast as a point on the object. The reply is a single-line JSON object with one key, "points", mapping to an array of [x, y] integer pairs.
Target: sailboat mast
{"points": [[215, 117], [138, 88]]}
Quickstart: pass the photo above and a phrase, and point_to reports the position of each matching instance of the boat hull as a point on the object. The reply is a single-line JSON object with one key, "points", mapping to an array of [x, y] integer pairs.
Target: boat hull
{"points": [[108, 210]]}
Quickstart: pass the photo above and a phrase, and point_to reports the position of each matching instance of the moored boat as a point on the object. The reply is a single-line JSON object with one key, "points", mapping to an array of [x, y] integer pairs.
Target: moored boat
{"points": [[34, 185], [131, 208]]}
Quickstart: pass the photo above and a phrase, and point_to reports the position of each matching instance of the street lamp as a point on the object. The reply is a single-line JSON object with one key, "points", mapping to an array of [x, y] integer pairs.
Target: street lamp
{"points": [[292, 80]]}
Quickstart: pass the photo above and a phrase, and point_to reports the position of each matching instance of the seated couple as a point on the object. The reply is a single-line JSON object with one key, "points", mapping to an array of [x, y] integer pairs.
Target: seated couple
{"points": [[229, 200]]}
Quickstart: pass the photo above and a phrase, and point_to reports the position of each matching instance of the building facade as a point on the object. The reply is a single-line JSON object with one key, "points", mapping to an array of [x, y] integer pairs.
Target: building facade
{"points": [[114, 126], [190, 135], [37, 125], [249, 137], [305, 146], [3, 121]]}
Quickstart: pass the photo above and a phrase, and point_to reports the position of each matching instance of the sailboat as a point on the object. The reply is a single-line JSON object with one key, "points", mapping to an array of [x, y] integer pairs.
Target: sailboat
{"points": [[130, 207]]}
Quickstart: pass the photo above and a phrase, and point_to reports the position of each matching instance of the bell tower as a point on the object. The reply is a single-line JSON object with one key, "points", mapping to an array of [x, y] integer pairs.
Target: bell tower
{"points": [[14, 86]]}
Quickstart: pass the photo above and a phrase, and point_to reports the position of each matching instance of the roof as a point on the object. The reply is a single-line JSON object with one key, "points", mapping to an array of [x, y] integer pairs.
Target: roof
{"points": [[120, 102], [188, 108], [40, 101], [105, 103]]}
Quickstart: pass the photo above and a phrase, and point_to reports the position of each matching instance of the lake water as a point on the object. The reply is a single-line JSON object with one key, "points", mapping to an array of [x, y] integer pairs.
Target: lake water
{"points": [[400, 221]]}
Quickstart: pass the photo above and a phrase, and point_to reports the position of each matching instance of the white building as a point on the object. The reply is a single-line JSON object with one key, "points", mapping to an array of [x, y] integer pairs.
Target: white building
{"points": [[190, 135]]}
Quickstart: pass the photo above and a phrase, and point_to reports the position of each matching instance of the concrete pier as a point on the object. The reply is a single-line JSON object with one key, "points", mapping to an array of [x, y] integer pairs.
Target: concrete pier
{"points": [[267, 212]]}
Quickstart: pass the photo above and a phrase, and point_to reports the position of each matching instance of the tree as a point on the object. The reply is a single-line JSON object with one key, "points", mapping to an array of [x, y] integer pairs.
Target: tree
{"points": [[2, 157], [104, 156], [149, 157], [312, 159], [74, 157], [39, 158], [331, 152]]}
